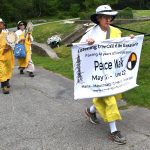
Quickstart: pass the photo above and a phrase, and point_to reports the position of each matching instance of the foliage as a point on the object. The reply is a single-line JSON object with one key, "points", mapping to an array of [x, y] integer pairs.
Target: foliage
{"points": [[74, 9], [13, 11], [95, 3], [126, 13], [85, 15], [135, 4]]}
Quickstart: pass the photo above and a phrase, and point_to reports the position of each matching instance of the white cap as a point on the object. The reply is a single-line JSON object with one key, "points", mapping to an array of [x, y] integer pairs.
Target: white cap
{"points": [[1, 20]]}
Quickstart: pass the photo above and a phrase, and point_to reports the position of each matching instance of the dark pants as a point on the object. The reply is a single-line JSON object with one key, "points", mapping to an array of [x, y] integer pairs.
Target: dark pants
{"points": [[5, 83], [21, 68]]}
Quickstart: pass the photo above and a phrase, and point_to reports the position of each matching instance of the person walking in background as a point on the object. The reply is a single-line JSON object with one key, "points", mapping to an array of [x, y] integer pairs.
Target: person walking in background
{"points": [[26, 39], [5, 28], [6, 60], [106, 106]]}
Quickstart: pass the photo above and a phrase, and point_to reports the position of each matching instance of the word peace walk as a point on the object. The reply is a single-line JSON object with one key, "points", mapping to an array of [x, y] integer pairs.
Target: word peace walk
{"points": [[118, 63]]}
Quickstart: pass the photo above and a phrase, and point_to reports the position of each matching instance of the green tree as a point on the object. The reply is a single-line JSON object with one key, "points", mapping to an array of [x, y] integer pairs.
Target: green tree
{"points": [[95, 3], [75, 9]]}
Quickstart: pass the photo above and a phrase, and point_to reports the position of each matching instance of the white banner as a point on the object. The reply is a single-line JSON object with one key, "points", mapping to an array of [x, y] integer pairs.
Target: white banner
{"points": [[106, 68]]}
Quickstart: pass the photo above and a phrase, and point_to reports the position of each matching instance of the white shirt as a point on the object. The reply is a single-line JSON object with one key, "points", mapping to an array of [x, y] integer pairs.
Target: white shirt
{"points": [[19, 32], [95, 33]]}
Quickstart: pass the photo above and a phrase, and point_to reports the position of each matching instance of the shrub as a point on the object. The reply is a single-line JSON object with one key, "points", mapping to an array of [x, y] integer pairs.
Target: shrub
{"points": [[63, 15], [85, 15], [125, 13], [75, 9]]}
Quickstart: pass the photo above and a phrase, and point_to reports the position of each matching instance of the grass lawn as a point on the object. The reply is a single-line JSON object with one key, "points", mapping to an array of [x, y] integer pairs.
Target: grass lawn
{"points": [[62, 66], [139, 96], [141, 26], [141, 13], [43, 32]]}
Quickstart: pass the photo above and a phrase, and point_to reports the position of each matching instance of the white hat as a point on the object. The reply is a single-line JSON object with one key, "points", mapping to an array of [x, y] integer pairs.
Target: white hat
{"points": [[1, 20], [19, 22], [103, 10]]}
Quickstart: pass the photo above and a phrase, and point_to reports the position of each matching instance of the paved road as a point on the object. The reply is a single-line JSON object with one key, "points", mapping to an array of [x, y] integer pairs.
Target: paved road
{"points": [[40, 114]]}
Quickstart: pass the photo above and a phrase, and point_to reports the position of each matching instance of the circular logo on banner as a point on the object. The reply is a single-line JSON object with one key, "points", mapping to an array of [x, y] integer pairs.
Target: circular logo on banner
{"points": [[132, 61]]}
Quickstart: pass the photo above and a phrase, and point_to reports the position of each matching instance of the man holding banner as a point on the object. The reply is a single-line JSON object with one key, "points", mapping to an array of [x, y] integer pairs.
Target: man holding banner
{"points": [[106, 78]]}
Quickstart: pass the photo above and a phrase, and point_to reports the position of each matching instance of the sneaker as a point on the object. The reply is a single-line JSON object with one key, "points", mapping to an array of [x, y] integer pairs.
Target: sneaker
{"points": [[8, 84], [21, 72], [31, 74], [5, 90], [117, 138], [92, 116]]}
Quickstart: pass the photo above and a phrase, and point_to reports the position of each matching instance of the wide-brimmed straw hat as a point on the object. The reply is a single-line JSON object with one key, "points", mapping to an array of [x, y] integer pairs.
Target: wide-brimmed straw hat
{"points": [[103, 10]]}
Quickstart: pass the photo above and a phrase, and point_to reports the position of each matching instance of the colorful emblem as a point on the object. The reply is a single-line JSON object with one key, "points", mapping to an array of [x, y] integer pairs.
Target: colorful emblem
{"points": [[132, 61]]}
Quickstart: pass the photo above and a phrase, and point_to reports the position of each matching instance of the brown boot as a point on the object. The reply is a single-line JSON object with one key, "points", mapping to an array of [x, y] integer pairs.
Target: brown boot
{"points": [[5, 90]]}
